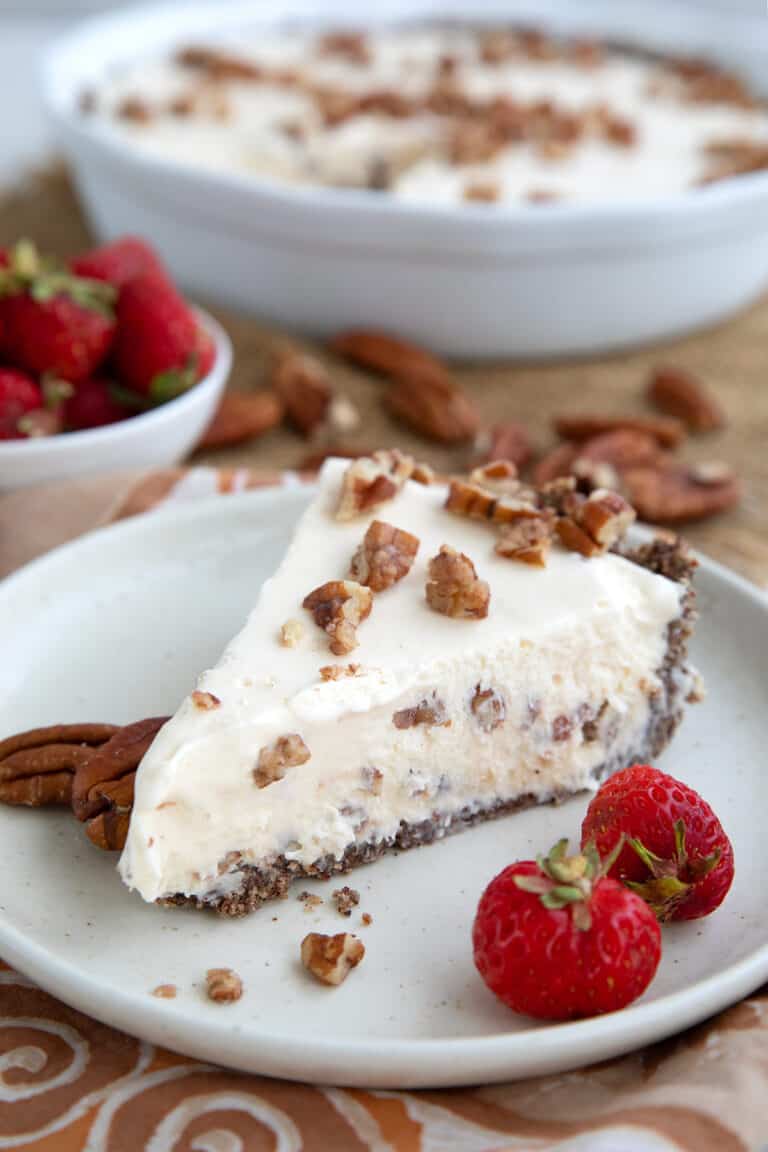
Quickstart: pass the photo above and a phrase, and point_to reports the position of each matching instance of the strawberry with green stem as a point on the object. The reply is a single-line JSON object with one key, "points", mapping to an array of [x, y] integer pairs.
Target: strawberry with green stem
{"points": [[558, 939], [675, 855]]}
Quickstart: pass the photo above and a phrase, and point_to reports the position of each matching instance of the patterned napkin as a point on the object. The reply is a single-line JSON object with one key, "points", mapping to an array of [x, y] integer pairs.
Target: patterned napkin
{"points": [[69, 1084]]}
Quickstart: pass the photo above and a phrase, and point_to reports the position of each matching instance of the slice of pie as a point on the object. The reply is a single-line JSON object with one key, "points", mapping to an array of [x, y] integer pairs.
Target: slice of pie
{"points": [[426, 656]]}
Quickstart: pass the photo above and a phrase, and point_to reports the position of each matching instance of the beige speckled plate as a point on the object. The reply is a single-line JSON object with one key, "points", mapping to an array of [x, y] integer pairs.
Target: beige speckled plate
{"points": [[117, 625]]}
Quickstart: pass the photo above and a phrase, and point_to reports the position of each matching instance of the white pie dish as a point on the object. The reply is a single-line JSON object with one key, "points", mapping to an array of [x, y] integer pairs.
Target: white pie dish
{"points": [[164, 592], [154, 439], [513, 281]]}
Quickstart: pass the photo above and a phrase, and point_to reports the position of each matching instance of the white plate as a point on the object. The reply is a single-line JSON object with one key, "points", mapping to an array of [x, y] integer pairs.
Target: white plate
{"points": [[116, 626], [469, 282]]}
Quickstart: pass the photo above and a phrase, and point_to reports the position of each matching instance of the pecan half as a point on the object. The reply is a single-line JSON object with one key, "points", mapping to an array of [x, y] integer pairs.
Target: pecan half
{"points": [[385, 556], [454, 588], [330, 959], [438, 409], [37, 766], [370, 481], [675, 493], [488, 707], [102, 790], [388, 355], [338, 607], [683, 395], [510, 441], [430, 712], [527, 541], [242, 416], [597, 524], [274, 759], [304, 388], [668, 431]]}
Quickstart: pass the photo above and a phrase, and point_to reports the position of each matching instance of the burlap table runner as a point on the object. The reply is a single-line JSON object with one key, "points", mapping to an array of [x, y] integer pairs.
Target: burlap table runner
{"points": [[69, 1084]]}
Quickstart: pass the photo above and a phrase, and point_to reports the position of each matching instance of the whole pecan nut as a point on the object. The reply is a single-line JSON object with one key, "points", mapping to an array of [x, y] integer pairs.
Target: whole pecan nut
{"points": [[683, 395], [665, 429], [242, 416], [304, 387], [388, 355], [438, 409], [675, 493], [37, 766]]}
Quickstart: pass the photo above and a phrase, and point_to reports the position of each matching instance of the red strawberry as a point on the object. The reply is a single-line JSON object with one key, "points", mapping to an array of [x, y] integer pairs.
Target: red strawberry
{"points": [[18, 395], [53, 322], [156, 346], [559, 940], [676, 855], [119, 262], [92, 405], [205, 351]]}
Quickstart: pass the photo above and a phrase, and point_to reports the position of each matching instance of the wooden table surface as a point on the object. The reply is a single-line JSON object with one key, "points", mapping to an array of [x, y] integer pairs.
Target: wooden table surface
{"points": [[732, 358]]}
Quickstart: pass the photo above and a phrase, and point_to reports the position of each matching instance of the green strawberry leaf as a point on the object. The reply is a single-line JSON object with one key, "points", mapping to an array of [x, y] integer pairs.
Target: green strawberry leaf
{"points": [[168, 385], [134, 401]]}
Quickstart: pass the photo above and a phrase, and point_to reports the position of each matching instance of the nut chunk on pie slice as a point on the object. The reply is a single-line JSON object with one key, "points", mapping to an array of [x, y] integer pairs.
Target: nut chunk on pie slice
{"points": [[424, 657]]}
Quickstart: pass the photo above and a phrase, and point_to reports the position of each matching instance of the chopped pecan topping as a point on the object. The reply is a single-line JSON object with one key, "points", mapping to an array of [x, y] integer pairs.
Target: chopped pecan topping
{"points": [[366, 919], [223, 985], [291, 633], [454, 588], [345, 899], [37, 767], [597, 524], [338, 671], [478, 503], [371, 481], [218, 64], [488, 707], [473, 141], [304, 387], [560, 496], [275, 759], [385, 556], [330, 959], [483, 191], [429, 712], [666, 430], [423, 474], [682, 395], [528, 540], [338, 607], [205, 701], [562, 728], [135, 109], [734, 157], [372, 779]]}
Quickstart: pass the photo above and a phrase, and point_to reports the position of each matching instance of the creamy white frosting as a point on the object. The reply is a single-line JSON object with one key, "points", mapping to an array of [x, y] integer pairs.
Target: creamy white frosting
{"points": [[556, 640], [668, 157]]}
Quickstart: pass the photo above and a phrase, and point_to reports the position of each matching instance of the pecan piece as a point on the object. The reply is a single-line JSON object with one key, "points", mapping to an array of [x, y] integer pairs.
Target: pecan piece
{"points": [[385, 556], [370, 481], [673, 493], [274, 759], [454, 588], [488, 707], [338, 607], [345, 899], [619, 449], [472, 141], [223, 985], [597, 524], [666, 430], [338, 671], [683, 395], [205, 701], [304, 387], [330, 959], [429, 712], [482, 191], [388, 355], [351, 46], [477, 503], [437, 409], [37, 766], [242, 416], [291, 633], [527, 541]]}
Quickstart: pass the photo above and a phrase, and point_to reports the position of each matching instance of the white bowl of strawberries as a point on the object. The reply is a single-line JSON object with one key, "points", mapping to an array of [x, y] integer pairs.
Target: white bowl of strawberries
{"points": [[103, 364]]}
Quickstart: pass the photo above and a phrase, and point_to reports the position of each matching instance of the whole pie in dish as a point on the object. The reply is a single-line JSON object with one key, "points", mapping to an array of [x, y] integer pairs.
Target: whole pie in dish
{"points": [[426, 656]]}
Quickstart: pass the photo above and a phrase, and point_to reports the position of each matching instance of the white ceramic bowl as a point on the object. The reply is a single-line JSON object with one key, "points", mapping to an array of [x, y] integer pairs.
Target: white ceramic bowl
{"points": [[518, 281], [153, 439]]}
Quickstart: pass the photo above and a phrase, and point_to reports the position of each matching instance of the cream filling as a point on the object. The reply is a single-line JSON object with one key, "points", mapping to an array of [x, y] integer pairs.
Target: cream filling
{"points": [[560, 646], [668, 157]]}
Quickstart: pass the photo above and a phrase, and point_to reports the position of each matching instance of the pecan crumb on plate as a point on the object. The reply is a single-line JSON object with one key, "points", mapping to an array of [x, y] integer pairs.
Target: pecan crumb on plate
{"points": [[345, 899], [330, 959], [223, 985], [309, 900], [165, 991]]}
